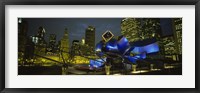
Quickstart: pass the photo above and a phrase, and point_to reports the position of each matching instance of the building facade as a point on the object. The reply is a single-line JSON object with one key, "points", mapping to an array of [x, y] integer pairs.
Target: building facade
{"points": [[40, 44], [130, 28], [177, 32], [169, 47], [64, 42], [90, 37], [52, 43], [139, 29], [22, 40], [135, 29], [150, 27], [64, 47]]}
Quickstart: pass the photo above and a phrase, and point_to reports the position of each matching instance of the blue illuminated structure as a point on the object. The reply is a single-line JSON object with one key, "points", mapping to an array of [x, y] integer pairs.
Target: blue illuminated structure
{"points": [[96, 63], [124, 49], [148, 48]]}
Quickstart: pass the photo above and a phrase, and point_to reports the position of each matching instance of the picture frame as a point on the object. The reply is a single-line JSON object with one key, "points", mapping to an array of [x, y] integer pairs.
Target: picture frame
{"points": [[98, 2]]}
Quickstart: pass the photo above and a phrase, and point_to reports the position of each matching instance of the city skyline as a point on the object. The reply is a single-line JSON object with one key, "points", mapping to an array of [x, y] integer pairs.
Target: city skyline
{"points": [[100, 46], [77, 27]]}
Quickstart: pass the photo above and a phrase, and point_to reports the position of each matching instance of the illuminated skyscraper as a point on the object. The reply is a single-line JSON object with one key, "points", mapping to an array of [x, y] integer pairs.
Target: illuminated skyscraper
{"points": [[177, 31], [90, 37], [41, 32], [75, 48], [22, 27], [40, 44], [64, 43], [130, 28], [22, 34], [150, 28], [64, 46], [169, 47], [52, 43], [22, 38], [83, 46], [136, 29]]}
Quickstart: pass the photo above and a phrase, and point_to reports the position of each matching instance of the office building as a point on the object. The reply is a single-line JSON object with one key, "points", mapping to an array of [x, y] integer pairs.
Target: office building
{"points": [[130, 28], [90, 37]]}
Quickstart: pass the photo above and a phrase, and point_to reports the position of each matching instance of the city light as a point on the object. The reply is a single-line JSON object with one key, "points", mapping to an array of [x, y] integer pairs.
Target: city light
{"points": [[140, 71], [100, 46]]}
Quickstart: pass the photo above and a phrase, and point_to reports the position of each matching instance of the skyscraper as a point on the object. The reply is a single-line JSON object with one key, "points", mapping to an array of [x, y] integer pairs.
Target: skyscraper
{"points": [[22, 27], [40, 44], [90, 37], [135, 29], [130, 28], [169, 47], [64, 47], [64, 43], [22, 39], [22, 34], [139, 29], [177, 31], [150, 27], [52, 43], [75, 48], [41, 32]]}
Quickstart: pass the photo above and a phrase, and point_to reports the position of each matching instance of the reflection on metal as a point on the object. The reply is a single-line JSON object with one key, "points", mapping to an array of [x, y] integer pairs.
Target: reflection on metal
{"points": [[151, 48]]}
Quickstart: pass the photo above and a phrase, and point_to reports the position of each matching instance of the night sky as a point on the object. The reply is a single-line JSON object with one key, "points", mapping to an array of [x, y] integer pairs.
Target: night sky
{"points": [[76, 26]]}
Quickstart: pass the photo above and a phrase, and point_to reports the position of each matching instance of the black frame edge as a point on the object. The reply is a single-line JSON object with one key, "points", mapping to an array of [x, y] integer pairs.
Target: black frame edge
{"points": [[197, 44], [2, 46], [102, 2]]}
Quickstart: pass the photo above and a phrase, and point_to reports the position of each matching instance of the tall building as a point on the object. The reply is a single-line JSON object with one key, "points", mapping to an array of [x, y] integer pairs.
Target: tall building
{"points": [[22, 39], [64, 47], [41, 32], [150, 27], [177, 31], [22, 27], [52, 43], [84, 49], [169, 47], [64, 43], [22, 34], [138, 29], [40, 44], [75, 48], [90, 37], [135, 29], [130, 28], [29, 49]]}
